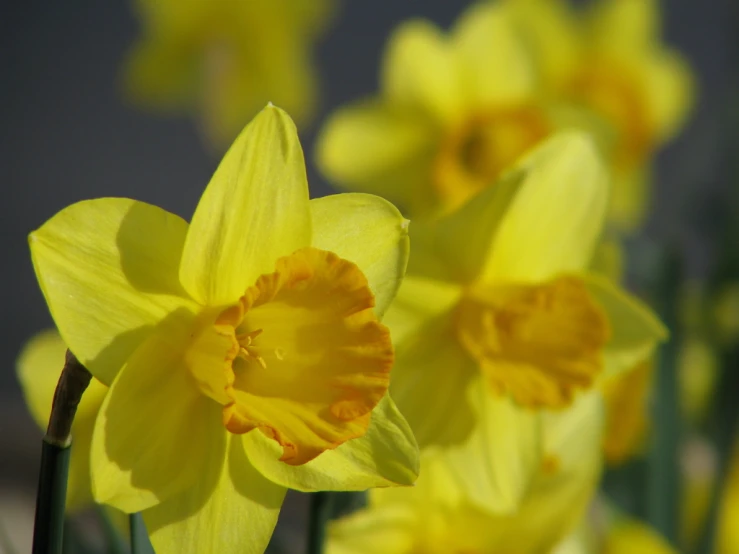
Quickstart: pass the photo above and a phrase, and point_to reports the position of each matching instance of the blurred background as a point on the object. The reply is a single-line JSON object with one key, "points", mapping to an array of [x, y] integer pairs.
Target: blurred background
{"points": [[67, 134]]}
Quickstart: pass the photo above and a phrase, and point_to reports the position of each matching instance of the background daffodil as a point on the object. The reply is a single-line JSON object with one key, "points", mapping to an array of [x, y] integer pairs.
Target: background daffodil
{"points": [[498, 315], [610, 60], [438, 516], [39, 366], [243, 351], [225, 59], [455, 110]]}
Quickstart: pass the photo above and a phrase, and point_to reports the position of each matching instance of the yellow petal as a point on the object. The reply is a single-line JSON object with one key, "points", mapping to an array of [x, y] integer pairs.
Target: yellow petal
{"points": [[566, 482], [39, 366], [155, 429], [625, 25], [497, 67], [369, 232], [551, 30], [389, 530], [627, 412], [420, 71], [496, 465], [670, 92], [477, 221], [555, 220], [231, 509], [629, 202], [635, 330], [379, 149], [387, 455], [430, 381], [254, 210], [108, 270], [309, 358], [419, 301]]}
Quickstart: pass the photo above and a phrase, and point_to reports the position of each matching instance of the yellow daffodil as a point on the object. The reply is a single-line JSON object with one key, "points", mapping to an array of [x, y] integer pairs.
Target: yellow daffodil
{"points": [[39, 366], [612, 62], [627, 398], [728, 532], [498, 316], [633, 537], [455, 110], [437, 516], [225, 59], [243, 351]]}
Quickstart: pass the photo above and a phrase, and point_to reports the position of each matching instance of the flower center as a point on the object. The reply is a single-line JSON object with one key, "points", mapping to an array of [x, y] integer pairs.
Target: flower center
{"points": [[301, 357], [611, 91], [537, 343], [474, 155]]}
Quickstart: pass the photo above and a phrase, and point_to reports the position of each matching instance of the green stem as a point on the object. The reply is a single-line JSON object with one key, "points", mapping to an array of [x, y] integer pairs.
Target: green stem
{"points": [[139, 537], [320, 513], [48, 529], [663, 491]]}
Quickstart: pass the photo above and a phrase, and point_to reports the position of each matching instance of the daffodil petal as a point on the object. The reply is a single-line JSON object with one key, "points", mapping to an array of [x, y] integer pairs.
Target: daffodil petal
{"points": [[254, 210], [430, 382], [230, 509], [496, 464], [387, 455], [562, 489], [506, 78], [420, 70], [378, 149], [555, 220], [155, 429], [419, 301], [635, 330], [380, 531], [477, 221], [369, 232], [108, 270], [670, 92]]}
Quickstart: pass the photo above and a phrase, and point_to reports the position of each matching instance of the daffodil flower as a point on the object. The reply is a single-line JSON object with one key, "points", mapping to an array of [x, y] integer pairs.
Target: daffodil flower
{"points": [[455, 110], [437, 517], [611, 61], [498, 316], [224, 60], [243, 351], [627, 403], [39, 366]]}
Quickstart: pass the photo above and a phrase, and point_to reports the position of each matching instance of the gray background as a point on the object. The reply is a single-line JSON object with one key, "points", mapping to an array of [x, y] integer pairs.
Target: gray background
{"points": [[66, 135]]}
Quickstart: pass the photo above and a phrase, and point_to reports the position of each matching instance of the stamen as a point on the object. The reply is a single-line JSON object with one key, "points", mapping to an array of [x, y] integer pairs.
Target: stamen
{"points": [[246, 350]]}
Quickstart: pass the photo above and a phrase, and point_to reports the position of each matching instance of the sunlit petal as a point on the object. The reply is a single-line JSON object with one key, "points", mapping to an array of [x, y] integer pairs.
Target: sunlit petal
{"points": [[231, 509], [109, 265], [369, 232], [386, 455], [254, 210]]}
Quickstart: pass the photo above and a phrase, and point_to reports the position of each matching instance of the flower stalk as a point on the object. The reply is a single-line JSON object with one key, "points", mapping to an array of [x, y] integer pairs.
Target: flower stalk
{"points": [[48, 531], [320, 513]]}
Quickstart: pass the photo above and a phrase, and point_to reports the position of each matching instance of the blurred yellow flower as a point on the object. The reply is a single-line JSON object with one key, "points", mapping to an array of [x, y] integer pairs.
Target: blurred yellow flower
{"points": [[455, 110], [728, 530], [633, 537], [39, 366], [224, 59], [260, 315], [437, 516], [626, 398], [611, 60], [498, 313]]}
